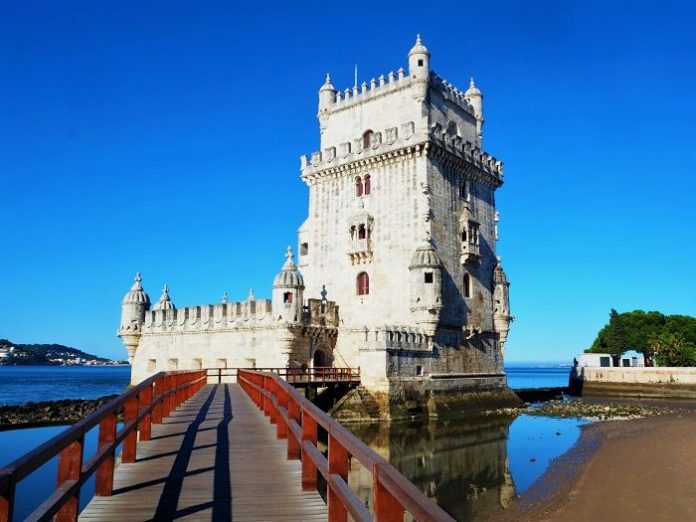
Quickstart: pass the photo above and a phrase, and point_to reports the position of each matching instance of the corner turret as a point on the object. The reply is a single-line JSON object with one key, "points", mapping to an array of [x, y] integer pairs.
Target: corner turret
{"points": [[133, 307], [475, 98], [288, 288], [426, 284], [327, 97], [501, 305], [419, 61]]}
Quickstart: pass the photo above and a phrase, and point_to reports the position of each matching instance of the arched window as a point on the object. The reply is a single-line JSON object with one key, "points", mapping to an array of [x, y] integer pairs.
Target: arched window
{"points": [[467, 285], [352, 232], [362, 232], [367, 139], [363, 284], [358, 186], [366, 185], [464, 236]]}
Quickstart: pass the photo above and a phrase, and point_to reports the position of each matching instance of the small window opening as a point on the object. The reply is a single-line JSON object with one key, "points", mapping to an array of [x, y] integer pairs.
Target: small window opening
{"points": [[358, 186], [420, 63], [304, 249], [428, 277], [362, 232], [463, 236], [352, 232], [467, 285], [366, 186], [419, 370], [363, 283], [367, 139], [464, 191], [287, 297], [151, 365]]}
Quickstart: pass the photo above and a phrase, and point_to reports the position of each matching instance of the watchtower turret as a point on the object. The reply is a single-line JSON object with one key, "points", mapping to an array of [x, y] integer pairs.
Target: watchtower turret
{"points": [[475, 98], [133, 307], [288, 288], [327, 97], [419, 61], [164, 302], [501, 305], [426, 284]]}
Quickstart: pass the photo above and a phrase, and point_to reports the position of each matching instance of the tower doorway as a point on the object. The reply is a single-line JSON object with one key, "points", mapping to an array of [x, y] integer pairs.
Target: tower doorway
{"points": [[319, 359]]}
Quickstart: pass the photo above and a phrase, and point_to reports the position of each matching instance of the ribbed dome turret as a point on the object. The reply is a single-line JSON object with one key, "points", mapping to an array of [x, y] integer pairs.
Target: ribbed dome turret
{"points": [[425, 256], [165, 302], [499, 276], [419, 48], [472, 90], [288, 276], [136, 294]]}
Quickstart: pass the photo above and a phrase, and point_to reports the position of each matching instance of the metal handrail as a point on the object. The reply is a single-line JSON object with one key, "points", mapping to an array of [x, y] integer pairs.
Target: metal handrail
{"points": [[297, 420], [143, 405]]}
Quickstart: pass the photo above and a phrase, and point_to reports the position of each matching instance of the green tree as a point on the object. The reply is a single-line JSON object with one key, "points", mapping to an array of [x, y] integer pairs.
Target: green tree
{"points": [[670, 339]]}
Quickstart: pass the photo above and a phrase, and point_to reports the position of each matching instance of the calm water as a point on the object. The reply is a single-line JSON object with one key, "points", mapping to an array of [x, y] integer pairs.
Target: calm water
{"points": [[472, 467], [20, 384], [536, 376]]}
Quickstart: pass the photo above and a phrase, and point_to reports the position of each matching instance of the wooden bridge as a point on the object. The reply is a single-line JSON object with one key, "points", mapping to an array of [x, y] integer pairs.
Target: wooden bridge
{"points": [[250, 450]]}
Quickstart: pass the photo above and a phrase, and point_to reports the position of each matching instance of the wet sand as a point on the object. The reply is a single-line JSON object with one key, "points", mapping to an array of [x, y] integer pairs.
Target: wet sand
{"points": [[629, 470]]}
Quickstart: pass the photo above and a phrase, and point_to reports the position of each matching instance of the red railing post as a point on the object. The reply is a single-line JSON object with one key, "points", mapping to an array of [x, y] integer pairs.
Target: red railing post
{"points": [[385, 506], [130, 443], [339, 462], [282, 427], [146, 404], [7, 501], [157, 409], [293, 415], [167, 400], [309, 435], [69, 469], [104, 486]]}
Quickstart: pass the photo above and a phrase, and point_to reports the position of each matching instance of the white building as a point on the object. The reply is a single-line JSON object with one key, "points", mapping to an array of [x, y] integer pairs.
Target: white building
{"points": [[401, 235]]}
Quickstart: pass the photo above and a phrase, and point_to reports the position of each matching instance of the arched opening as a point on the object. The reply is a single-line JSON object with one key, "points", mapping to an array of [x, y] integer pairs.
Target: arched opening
{"points": [[362, 232], [363, 284], [367, 186], [467, 285], [319, 359], [358, 186], [367, 139]]}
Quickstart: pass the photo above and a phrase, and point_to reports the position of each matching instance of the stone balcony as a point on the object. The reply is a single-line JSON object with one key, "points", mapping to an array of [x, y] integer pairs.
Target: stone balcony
{"points": [[360, 250], [470, 252]]}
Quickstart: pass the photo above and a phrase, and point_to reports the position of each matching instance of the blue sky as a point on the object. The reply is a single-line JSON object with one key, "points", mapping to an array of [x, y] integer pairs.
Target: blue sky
{"points": [[164, 137]]}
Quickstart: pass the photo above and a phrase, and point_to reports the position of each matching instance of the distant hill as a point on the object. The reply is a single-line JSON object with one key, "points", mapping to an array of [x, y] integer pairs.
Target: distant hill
{"points": [[14, 354]]}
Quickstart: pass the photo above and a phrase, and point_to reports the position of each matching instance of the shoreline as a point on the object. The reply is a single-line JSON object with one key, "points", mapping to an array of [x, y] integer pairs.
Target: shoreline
{"points": [[639, 469], [49, 413]]}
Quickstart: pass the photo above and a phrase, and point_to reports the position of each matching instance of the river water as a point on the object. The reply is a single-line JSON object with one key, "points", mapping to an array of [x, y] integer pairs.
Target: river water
{"points": [[472, 467]]}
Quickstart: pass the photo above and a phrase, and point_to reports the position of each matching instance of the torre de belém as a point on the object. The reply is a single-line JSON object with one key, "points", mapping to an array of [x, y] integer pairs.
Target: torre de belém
{"points": [[396, 272]]}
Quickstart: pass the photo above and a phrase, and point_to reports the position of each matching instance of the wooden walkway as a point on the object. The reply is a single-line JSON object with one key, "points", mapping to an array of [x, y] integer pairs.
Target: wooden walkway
{"points": [[215, 458]]}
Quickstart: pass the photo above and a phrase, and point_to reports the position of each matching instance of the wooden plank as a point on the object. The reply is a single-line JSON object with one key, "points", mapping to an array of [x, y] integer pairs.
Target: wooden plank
{"points": [[215, 458]]}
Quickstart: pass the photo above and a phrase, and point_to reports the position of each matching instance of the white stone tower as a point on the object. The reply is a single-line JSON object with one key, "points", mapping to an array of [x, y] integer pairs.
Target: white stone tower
{"points": [[401, 230]]}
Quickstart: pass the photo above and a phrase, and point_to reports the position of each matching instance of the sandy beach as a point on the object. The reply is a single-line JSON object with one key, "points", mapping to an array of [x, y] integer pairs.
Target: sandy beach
{"points": [[627, 470]]}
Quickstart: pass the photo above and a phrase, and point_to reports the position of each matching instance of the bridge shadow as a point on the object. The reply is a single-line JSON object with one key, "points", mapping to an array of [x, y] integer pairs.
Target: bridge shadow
{"points": [[221, 503]]}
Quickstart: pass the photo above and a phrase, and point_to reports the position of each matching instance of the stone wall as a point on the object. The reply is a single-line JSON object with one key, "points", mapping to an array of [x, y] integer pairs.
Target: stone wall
{"points": [[672, 383]]}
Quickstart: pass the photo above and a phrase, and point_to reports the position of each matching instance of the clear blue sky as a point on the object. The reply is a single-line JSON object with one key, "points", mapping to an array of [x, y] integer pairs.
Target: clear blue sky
{"points": [[164, 137]]}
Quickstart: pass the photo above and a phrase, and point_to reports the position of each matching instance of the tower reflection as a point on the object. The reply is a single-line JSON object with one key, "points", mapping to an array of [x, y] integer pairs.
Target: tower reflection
{"points": [[461, 464]]}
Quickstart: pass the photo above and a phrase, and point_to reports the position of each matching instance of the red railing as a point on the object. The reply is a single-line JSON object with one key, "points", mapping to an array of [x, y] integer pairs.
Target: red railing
{"points": [[327, 374], [143, 405], [297, 420]]}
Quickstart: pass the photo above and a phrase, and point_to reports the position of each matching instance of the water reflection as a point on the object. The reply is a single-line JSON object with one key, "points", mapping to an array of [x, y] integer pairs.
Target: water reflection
{"points": [[462, 465]]}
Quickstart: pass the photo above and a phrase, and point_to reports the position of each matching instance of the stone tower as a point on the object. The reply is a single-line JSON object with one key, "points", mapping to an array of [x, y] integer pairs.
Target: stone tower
{"points": [[402, 231]]}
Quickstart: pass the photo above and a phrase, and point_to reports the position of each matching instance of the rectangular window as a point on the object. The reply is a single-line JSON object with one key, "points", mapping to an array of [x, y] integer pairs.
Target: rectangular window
{"points": [[304, 249], [173, 364], [287, 297], [428, 277], [221, 363], [605, 362], [419, 370]]}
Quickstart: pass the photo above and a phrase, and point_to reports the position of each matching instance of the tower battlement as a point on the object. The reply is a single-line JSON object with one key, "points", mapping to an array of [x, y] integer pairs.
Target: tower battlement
{"points": [[398, 142]]}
